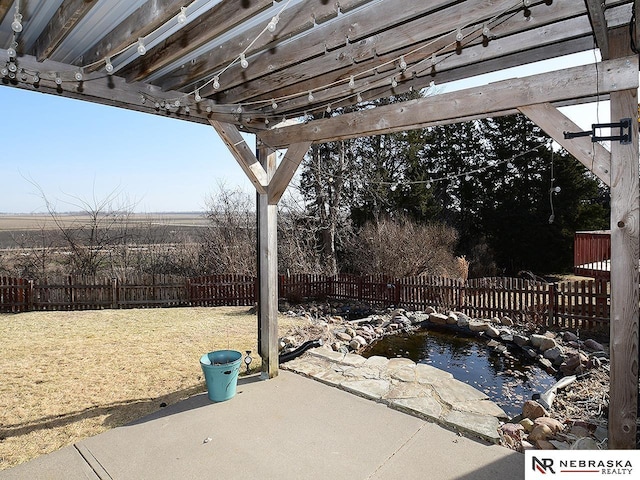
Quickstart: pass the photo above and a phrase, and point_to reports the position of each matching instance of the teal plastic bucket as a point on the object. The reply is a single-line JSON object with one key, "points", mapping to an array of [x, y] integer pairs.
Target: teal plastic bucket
{"points": [[221, 370]]}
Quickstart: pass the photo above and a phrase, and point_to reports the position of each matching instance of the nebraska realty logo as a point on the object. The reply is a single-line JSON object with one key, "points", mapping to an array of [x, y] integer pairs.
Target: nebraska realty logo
{"points": [[581, 464]]}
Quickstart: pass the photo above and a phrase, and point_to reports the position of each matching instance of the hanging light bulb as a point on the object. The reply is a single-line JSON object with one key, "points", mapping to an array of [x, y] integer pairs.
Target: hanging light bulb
{"points": [[352, 82], [459, 35], [23, 76], [486, 31], [16, 25], [58, 80], [433, 60], [141, 48], [403, 63], [273, 23], [243, 61], [209, 109], [4, 71], [359, 98], [509, 165], [11, 52], [394, 82], [78, 76], [216, 82], [177, 103], [36, 78], [197, 97], [274, 105], [187, 110], [143, 99], [394, 187], [157, 105], [108, 66], [239, 110], [467, 177], [328, 108], [310, 97], [182, 16]]}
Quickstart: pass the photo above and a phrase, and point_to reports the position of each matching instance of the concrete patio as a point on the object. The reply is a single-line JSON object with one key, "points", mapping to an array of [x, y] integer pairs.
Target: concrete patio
{"points": [[289, 427]]}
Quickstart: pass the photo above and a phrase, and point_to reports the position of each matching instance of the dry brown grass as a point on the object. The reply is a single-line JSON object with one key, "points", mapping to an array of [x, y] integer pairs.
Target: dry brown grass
{"points": [[69, 375]]}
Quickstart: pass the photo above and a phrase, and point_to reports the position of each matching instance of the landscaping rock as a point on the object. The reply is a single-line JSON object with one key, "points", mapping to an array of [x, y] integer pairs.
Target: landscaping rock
{"points": [[520, 340], [438, 318], [569, 337], [527, 424], [593, 346], [544, 445], [540, 432], [553, 353], [514, 430], [452, 319], [536, 340], [478, 326], [532, 410], [555, 425], [547, 343], [492, 332], [345, 337], [506, 321]]}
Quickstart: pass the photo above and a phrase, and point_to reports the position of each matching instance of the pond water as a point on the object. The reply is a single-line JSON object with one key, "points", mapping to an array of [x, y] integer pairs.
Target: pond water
{"points": [[508, 382]]}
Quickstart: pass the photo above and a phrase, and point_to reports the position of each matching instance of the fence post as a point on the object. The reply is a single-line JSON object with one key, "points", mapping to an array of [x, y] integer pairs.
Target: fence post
{"points": [[551, 312], [114, 293], [30, 296]]}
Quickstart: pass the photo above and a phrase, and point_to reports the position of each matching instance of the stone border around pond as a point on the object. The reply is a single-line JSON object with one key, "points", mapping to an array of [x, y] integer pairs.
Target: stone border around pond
{"points": [[417, 389]]}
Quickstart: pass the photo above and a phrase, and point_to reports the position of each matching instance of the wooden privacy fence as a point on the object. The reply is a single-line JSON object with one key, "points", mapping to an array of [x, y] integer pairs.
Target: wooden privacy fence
{"points": [[581, 304]]}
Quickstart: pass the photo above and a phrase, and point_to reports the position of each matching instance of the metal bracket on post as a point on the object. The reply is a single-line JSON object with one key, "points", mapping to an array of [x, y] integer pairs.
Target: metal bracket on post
{"points": [[624, 138]]}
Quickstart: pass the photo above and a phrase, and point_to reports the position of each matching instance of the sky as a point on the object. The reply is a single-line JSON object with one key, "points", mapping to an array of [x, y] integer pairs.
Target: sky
{"points": [[73, 150]]}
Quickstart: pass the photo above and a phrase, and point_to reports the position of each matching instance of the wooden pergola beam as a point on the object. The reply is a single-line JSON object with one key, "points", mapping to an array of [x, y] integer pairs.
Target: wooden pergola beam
{"points": [[496, 99], [143, 21], [66, 18], [592, 155], [625, 227], [286, 170], [599, 26], [243, 155]]}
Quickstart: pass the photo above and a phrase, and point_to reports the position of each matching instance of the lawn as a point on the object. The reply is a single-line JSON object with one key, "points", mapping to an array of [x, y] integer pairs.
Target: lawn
{"points": [[65, 376]]}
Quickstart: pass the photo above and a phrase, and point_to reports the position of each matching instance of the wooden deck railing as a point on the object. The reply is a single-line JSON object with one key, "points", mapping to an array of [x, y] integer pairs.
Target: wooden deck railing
{"points": [[592, 254]]}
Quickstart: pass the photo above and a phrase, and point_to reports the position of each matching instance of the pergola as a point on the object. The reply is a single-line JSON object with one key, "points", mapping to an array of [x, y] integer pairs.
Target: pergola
{"points": [[270, 67]]}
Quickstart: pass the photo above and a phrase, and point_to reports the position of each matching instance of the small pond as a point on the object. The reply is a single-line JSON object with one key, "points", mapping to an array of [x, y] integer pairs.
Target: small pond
{"points": [[508, 382]]}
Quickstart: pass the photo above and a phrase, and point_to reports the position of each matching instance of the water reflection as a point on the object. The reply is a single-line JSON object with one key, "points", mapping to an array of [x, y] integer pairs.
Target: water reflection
{"points": [[508, 382]]}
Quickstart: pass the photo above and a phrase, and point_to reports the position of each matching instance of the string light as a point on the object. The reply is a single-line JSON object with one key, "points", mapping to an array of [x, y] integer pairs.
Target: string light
{"points": [[243, 61], [486, 31], [58, 80], [108, 66], [274, 105], [16, 25], [197, 97], [273, 23], [216, 82], [359, 98], [141, 48], [182, 16], [36, 78], [394, 82], [352, 82], [12, 52], [4, 71], [311, 97], [78, 76], [459, 35], [403, 64]]}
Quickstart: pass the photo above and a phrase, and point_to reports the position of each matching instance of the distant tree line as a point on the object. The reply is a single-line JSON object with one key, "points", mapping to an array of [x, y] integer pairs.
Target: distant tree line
{"points": [[480, 198]]}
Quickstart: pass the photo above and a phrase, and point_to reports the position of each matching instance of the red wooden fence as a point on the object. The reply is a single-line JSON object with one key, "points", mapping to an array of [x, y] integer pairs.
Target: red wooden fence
{"points": [[592, 254], [582, 304]]}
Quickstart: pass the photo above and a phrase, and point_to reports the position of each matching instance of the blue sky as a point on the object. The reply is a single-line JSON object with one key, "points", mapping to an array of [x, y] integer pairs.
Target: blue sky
{"points": [[79, 149], [74, 148]]}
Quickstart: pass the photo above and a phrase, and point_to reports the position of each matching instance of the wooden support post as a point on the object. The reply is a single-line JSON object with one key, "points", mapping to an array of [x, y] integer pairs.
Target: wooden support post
{"points": [[268, 271], [624, 340]]}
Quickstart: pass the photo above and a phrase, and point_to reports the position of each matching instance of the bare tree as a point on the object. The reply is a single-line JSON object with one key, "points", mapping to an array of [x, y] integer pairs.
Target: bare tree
{"points": [[229, 243], [402, 247]]}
